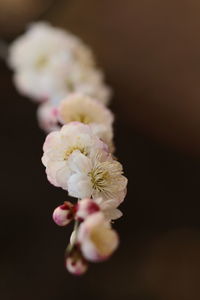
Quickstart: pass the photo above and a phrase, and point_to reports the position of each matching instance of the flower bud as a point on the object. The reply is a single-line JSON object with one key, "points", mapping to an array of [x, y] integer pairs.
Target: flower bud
{"points": [[76, 264], [63, 214], [84, 208]]}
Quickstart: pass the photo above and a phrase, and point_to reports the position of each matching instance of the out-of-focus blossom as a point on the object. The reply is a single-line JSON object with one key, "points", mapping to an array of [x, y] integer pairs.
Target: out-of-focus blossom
{"points": [[47, 115], [109, 208], [76, 264], [96, 238], [49, 62], [51, 84], [77, 107], [81, 108], [96, 177], [60, 145], [63, 214], [84, 109], [86, 207]]}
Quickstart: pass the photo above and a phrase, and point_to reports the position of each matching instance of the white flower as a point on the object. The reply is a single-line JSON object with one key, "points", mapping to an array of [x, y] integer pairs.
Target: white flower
{"points": [[96, 177], [81, 108], [63, 214], [77, 107], [47, 115], [51, 63], [60, 145], [49, 84], [96, 238], [43, 45]]}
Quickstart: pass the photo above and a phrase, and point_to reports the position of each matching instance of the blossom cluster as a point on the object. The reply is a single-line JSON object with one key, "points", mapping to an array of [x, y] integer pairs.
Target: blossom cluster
{"points": [[56, 69], [79, 161], [49, 64]]}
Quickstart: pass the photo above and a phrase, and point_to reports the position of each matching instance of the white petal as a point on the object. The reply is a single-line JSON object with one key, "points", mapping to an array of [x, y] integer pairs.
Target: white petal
{"points": [[79, 163], [113, 214], [62, 176], [79, 186]]}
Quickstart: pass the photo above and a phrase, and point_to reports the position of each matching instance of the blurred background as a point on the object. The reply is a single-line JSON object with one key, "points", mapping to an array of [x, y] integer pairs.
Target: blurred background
{"points": [[150, 51]]}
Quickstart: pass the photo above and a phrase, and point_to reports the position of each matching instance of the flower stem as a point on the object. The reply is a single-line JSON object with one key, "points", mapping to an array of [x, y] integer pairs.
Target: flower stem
{"points": [[71, 246]]}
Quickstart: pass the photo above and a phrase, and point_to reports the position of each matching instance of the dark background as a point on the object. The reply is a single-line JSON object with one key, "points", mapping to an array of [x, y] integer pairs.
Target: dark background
{"points": [[150, 51]]}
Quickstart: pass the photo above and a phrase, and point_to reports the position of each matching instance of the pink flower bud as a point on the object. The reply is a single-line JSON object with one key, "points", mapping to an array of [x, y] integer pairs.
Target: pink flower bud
{"points": [[76, 264], [84, 208], [63, 214]]}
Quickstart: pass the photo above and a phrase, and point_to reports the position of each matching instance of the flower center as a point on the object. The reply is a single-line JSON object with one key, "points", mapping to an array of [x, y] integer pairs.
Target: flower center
{"points": [[70, 150], [70, 85], [106, 177], [41, 62], [99, 178], [81, 118]]}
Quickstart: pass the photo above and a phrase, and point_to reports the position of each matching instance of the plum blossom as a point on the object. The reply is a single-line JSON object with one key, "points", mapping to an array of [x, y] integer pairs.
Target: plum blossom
{"points": [[96, 177], [50, 84], [49, 62], [60, 145], [75, 263], [63, 214], [43, 45], [81, 108], [96, 238]]}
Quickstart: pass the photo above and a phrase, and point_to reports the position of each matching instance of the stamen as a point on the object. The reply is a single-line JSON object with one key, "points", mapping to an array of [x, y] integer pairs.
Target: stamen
{"points": [[81, 118], [69, 151], [41, 62]]}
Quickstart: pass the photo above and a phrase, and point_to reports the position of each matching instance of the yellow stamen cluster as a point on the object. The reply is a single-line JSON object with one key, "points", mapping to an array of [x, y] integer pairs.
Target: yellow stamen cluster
{"points": [[70, 150], [41, 62], [105, 176], [82, 118]]}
